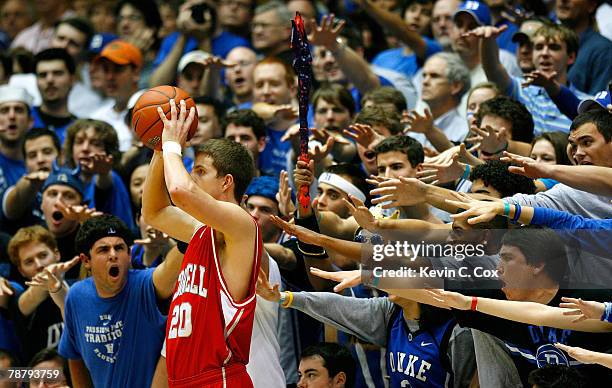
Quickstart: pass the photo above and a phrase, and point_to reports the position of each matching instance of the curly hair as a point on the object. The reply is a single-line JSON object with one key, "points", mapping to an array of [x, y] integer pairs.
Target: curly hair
{"points": [[512, 111], [107, 134], [495, 173]]}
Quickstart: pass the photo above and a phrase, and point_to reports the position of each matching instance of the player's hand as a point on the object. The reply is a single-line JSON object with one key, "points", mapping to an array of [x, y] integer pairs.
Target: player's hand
{"points": [[477, 211], [6, 289], [361, 213], [304, 235], [583, 309], [399, 192], [80, 213], [346, 279], [326, 34], [414, 122], [177, 127], [363, 134], [486, 32], [526, 166], [286, 207], [451, 299], [265, 290]]}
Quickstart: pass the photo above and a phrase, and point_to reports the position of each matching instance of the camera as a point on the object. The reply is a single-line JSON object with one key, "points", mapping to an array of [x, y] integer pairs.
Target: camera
{"points": [[202, 12]]}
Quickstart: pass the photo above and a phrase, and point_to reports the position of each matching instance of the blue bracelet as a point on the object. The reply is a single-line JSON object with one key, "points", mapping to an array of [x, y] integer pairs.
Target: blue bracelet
{"points": [[506, 209], [517, 213], [607, 315], [466, 173]]}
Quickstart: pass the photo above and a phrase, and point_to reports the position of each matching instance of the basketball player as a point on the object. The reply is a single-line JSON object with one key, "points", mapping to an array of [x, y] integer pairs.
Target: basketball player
{"points": [[211, 315]]}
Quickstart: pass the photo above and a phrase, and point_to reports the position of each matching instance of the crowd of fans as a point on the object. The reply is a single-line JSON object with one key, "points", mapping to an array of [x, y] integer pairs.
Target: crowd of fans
{"points": [[482, 123]]}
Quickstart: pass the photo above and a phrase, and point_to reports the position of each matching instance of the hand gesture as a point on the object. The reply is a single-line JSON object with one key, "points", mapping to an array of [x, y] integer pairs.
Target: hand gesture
{"points": [[304, 235], [154, 238], [400, 192], [5, 287], [486, 32], [143, 39], [320, 152], [417, 123], [177, 127], [489, 140], [303, 175], [37, 177], [583, 355], [292, 134], [286, 112], [286, 207], [363, 134], [451, 299], [347, 279], [480, 211], [52, 276], [540, 78], [526, 166], [326, 34], [361, 213], [188, 26], [101, 164], [267, 291], [442, 173], [80, 213], [215, 62], [584, 309]]}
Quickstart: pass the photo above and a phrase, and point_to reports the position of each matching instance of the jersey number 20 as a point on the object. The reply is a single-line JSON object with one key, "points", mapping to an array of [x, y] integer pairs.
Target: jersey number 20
{"points": [[180, 326]]}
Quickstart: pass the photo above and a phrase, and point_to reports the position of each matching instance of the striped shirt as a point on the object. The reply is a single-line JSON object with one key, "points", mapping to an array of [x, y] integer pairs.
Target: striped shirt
{"points": [[546, 115]]}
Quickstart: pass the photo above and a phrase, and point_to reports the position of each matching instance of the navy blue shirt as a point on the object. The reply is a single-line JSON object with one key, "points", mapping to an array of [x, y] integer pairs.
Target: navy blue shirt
{"points": [[592, 72]]}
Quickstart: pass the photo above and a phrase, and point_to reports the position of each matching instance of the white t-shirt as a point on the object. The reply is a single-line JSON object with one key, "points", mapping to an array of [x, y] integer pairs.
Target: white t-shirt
{"points": [[117, 120], [264, 364]]}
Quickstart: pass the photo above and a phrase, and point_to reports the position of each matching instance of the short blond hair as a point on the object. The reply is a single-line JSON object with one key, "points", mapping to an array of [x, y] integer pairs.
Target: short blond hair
{"points": [[28, 235]]}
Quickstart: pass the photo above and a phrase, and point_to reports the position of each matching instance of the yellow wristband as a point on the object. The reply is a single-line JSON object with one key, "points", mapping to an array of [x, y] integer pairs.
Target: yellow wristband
{"points": [[289, 300]]}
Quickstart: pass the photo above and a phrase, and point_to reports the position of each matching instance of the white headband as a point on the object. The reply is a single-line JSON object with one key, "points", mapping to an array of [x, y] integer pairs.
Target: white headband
{"points": [[342, 184]]}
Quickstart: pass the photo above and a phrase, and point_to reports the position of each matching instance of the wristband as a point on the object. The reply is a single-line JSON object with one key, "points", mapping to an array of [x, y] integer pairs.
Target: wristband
{"points": [[474, 303], [607, 315], [172, 147], [466, 173], [283, 298], [289, 299], [506, 209], [517, 213], [58, 290]]}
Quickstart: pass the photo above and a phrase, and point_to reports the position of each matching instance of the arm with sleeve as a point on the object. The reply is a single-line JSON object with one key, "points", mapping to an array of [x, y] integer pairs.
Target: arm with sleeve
{"points": [[363, 318]]}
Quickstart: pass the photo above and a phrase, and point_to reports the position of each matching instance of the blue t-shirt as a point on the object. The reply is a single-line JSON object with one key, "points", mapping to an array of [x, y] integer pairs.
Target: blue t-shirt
{"points": [[120, 338], [12, 170], [117, 201], [273, 159], [394, 59]]}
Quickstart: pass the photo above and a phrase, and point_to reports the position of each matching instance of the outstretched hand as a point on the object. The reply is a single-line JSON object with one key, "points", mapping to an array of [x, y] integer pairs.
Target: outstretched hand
{"points": [[583, 309], [266, 290], [346, 279], [361, 213], [436, 173], [326, 33], [418, 123], [303, 234], [286, 207], [583, 355], [177, 127], [450, 299], [526, 166], [80, 213], [477, 211], [486, 32], [399, 192]]}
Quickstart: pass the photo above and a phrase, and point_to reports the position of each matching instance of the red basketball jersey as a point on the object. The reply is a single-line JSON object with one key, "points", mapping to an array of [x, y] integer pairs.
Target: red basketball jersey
{"points": [[207, 330]]}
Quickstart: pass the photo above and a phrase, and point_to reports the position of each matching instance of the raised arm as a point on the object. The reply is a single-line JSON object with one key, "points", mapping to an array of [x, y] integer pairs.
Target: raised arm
{"points": [[594, 179], [356, 69], [21, 196], [393, 23], [166, 274], [489, 56], [157, 209], [525, 312]]}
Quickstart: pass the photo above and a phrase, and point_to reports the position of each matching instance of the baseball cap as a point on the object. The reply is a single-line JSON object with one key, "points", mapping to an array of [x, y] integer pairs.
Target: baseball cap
{"points": [[121, 53], [15, 94], [99, 41], [527, 31], [479, 11], [64, 176], [191, 57], [263, 186], [601, 100]]}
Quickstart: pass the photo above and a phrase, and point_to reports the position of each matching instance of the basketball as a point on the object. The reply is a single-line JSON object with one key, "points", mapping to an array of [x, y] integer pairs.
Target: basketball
{"points": [[145, 119]]}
